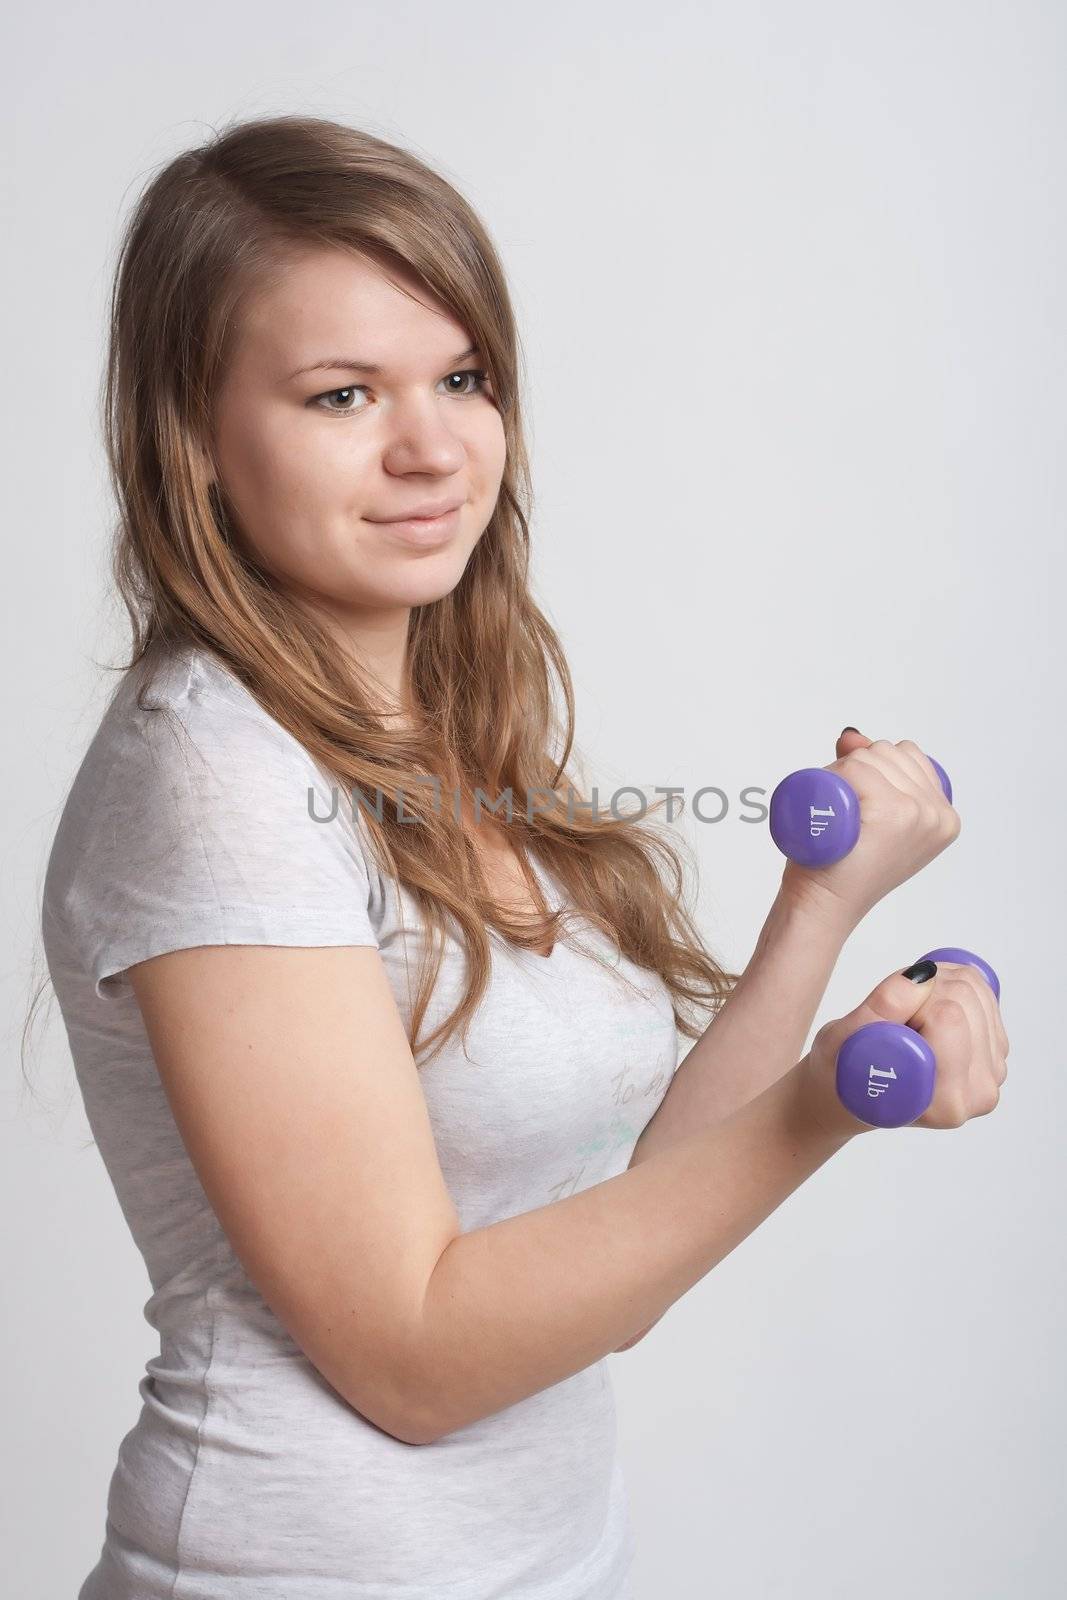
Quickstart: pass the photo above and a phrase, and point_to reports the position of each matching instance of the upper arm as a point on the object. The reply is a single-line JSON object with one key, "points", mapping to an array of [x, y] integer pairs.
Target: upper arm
{"points": [[293, 1086], [191, 869]]}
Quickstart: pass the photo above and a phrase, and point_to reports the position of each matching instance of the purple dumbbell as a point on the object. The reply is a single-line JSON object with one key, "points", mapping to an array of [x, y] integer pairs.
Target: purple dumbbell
{"points": [[885, 1070], [815, 815]]}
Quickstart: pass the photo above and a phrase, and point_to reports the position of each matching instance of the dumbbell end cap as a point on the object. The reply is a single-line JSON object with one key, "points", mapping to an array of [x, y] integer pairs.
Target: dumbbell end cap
{"points": [[951, 952]]}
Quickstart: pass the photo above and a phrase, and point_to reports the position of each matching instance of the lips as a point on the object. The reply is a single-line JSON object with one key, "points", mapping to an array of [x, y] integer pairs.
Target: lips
{"points": [[424, 513]]}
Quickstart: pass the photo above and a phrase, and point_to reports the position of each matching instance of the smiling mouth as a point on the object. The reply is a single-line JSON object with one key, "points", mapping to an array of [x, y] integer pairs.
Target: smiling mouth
{"points": [[424, 530], [425, 514]]}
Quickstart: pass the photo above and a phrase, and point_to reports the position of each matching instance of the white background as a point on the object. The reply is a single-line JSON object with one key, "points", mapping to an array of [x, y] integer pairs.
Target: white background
{"points": [[790, 287]]}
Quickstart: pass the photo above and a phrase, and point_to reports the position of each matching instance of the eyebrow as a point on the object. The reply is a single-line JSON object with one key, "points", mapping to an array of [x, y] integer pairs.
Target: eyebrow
{"points": [[352, 364]]}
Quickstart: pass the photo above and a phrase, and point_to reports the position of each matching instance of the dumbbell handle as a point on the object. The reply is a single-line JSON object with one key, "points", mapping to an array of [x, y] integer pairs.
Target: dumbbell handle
{"points": [[886, 1071], [815, 815]]}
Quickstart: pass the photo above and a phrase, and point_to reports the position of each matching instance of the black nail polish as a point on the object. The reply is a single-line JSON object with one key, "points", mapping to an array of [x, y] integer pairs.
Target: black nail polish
{"points": [[850, 730], [922, 971]]}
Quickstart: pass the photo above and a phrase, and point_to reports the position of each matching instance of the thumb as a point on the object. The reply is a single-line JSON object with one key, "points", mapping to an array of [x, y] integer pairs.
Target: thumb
{"points": [[899, 998], [850, 739]]}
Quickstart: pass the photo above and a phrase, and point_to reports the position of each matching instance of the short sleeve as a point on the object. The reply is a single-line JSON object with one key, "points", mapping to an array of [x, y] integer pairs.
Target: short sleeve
{"points": [[210, 825]]}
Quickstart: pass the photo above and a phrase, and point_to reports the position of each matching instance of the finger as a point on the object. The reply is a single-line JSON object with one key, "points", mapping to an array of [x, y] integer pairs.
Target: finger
{"points": [[898, 768], [999, 1030], [879, 785], [1002, 1035], [849, 739], [950, 1031], [998, 1038], [888, 798], [921, 760], [966, 986]]}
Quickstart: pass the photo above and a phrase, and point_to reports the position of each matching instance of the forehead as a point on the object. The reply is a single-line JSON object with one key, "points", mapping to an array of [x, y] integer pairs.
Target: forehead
{"points": [[323, 301]]}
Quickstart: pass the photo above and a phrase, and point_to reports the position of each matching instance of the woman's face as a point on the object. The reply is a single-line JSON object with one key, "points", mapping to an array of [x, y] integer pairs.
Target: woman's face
{"points": [[314, 463]]}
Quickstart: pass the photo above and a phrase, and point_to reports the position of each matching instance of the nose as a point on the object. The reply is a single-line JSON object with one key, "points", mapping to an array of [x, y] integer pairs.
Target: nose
{"points": [[420, 439]]}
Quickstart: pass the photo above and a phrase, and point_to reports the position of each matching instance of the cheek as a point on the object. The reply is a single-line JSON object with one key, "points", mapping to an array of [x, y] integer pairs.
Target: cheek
{"points": [[282, 476], [487, 452], [496, 446]]}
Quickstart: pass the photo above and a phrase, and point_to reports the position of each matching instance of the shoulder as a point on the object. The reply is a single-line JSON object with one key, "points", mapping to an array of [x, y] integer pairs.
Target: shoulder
{"points": [[189, 713], [194, 808], [185, 725], [182, 741]]}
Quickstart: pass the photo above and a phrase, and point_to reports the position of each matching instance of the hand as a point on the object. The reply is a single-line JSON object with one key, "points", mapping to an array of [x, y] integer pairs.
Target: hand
{"points": [[905, 822], [957, 1014]]}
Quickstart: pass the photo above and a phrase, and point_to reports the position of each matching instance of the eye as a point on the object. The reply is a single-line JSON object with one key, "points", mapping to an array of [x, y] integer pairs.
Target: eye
{"points": [[330, 395], [479, 385], [481, 379]]}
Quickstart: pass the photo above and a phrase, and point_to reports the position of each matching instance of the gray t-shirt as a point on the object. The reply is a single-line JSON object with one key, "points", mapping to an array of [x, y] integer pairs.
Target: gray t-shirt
{"points": [[246, 1473]]}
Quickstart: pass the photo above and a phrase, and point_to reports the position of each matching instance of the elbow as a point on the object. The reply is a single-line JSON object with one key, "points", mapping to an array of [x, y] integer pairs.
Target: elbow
{"points": [[418, 1426], [393, 1404], [405, 1406], [424, 1421], [424, 1418], [430, 1402], [407, 1423], [420, 1436]]}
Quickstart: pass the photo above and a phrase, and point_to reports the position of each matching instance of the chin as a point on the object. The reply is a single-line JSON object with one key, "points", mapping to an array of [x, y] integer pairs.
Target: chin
{"points": [[422, 590], [420, 582]]}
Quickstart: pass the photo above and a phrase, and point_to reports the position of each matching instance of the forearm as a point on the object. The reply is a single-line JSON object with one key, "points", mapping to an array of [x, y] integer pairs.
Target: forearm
{"points": [[759, 1033], [522, 1304]]}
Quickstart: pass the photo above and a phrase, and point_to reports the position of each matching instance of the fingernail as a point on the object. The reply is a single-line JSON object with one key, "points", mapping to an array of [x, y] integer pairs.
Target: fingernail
{"points": [[922, 971], [848, 730]]}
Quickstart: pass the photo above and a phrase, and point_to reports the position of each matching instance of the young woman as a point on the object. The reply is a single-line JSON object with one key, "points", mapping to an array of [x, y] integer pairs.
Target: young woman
{"points": [[386, 1080]]}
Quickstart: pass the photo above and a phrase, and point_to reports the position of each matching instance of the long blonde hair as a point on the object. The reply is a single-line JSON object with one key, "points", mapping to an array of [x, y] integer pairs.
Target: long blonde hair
{"points": [[211, 225]]}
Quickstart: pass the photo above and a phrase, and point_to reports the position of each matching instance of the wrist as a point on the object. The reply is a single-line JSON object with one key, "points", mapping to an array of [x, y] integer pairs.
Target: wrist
{"points": [[801, 897], [817, 1110]]}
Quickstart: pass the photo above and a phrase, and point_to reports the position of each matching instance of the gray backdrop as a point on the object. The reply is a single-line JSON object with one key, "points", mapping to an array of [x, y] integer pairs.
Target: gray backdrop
{"points": [[790, 281]]}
